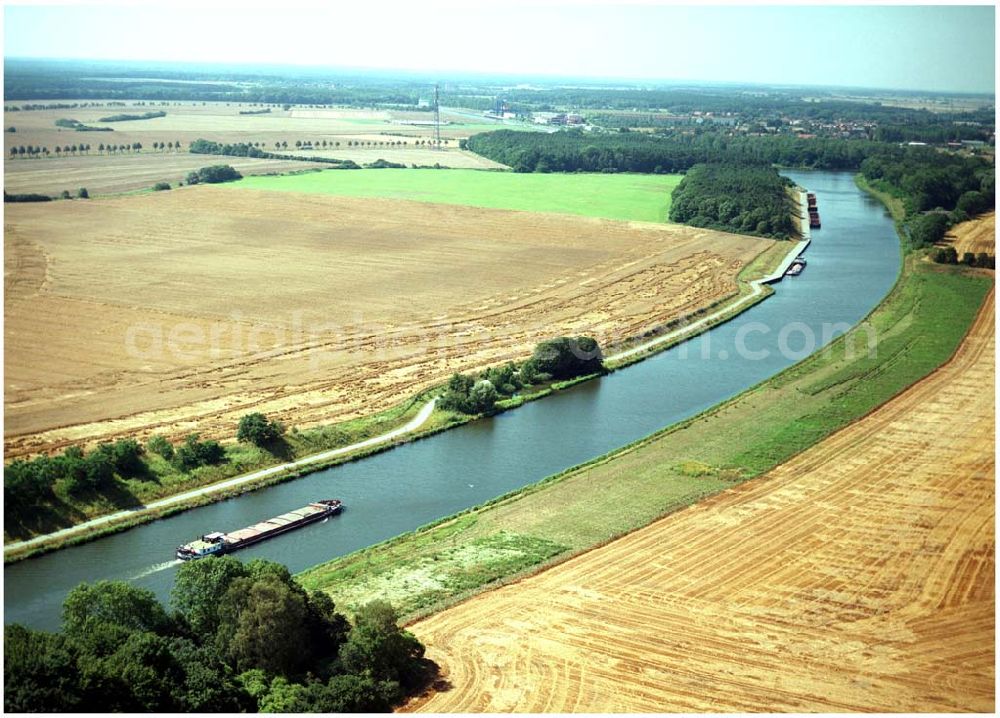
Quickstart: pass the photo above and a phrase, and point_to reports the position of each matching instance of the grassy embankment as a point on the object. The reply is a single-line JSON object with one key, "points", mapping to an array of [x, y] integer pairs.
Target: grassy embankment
{"points": [[919, 325], [611, 196], [893, 202]]}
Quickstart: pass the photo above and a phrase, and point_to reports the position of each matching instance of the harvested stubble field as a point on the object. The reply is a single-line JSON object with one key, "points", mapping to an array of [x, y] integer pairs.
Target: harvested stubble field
{"points": [[220, 122], [308, 308], [859, 576], [975, 235], [125, 173]]}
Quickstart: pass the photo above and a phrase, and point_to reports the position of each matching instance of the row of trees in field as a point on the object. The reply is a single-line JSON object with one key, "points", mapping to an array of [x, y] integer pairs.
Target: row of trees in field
{"points": [[129, 118], [75, 150], [37, 151], [555, 359], [949, 255], [747, 199], [246, 149], [236, 637], [81, 193]]}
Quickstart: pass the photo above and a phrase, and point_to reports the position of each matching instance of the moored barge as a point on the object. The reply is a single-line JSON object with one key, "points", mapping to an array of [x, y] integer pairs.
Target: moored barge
{"points": [[796, 267], [813, 211], [218, 543]]}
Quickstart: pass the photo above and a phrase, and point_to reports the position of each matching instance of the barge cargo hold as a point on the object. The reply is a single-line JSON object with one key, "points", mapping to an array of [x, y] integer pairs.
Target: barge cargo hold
{"points": [[218, 543], [813, 210]]}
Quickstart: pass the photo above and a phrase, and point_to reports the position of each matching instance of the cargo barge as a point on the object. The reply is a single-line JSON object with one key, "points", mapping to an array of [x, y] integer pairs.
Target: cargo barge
{"points": [[813, 211], [218, 543]]}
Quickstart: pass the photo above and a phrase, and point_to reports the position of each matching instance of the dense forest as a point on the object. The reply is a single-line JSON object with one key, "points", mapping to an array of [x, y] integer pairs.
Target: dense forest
{"points": [[928, 179], [938, 189], [933, 132], [239, 637], [735, 198], [577, 151], [924, 178]]}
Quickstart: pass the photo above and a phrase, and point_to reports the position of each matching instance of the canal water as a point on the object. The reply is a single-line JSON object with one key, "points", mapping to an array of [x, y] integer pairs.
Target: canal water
{"points": [[853, 261]]}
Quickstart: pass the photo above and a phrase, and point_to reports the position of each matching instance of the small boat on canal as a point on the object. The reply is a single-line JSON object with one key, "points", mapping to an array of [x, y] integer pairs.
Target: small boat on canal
{"points": [[796, 267]]}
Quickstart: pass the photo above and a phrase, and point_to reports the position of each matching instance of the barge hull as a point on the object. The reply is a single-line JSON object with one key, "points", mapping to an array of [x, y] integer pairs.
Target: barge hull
{"points": [[276, 526]]}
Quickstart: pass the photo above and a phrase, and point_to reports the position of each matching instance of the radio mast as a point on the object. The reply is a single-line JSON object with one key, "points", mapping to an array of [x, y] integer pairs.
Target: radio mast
{"points": [[437, 119]]}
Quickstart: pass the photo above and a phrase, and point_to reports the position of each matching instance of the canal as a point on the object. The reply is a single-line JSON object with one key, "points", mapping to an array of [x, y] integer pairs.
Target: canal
{"points": [[853, 261]]}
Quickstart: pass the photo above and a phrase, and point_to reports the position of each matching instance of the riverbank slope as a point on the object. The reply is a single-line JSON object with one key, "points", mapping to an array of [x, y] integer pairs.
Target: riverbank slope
{"points": [[856, 577], [918, 327]]}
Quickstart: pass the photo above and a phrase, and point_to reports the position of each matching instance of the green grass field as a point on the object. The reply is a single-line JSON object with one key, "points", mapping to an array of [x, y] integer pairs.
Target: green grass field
{"points": [[919, 326], [613, 196]]}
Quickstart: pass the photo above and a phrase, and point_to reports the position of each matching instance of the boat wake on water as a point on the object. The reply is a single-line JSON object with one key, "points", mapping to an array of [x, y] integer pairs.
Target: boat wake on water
{"points": [[156, 568]]}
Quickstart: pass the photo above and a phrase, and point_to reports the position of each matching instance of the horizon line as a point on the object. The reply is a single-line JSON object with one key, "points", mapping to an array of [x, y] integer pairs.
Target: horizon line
{"points": [[597, 79]]}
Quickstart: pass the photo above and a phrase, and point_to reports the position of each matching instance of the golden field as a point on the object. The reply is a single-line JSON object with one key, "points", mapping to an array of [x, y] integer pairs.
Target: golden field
{"points": [[859, 576], [183, 310]]}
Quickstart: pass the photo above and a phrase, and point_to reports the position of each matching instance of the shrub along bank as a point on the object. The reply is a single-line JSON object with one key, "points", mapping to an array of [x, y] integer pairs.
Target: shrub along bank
{"points": [[555, 359]]}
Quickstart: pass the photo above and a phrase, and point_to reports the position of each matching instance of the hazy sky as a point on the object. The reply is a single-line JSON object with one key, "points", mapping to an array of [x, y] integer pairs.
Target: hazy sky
{"points": [[911, 47]]}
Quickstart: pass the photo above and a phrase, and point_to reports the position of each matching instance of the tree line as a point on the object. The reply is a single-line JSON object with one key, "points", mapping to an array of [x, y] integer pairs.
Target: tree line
{"points": [[949, 255], [933, 132], [78, 126], [745, 103], [938, 189], [128, 118], [29, 486], [53, 80], [236, 637], [745, 199], [243, 149], [37, 151], [668, 152], [926, 178]]}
